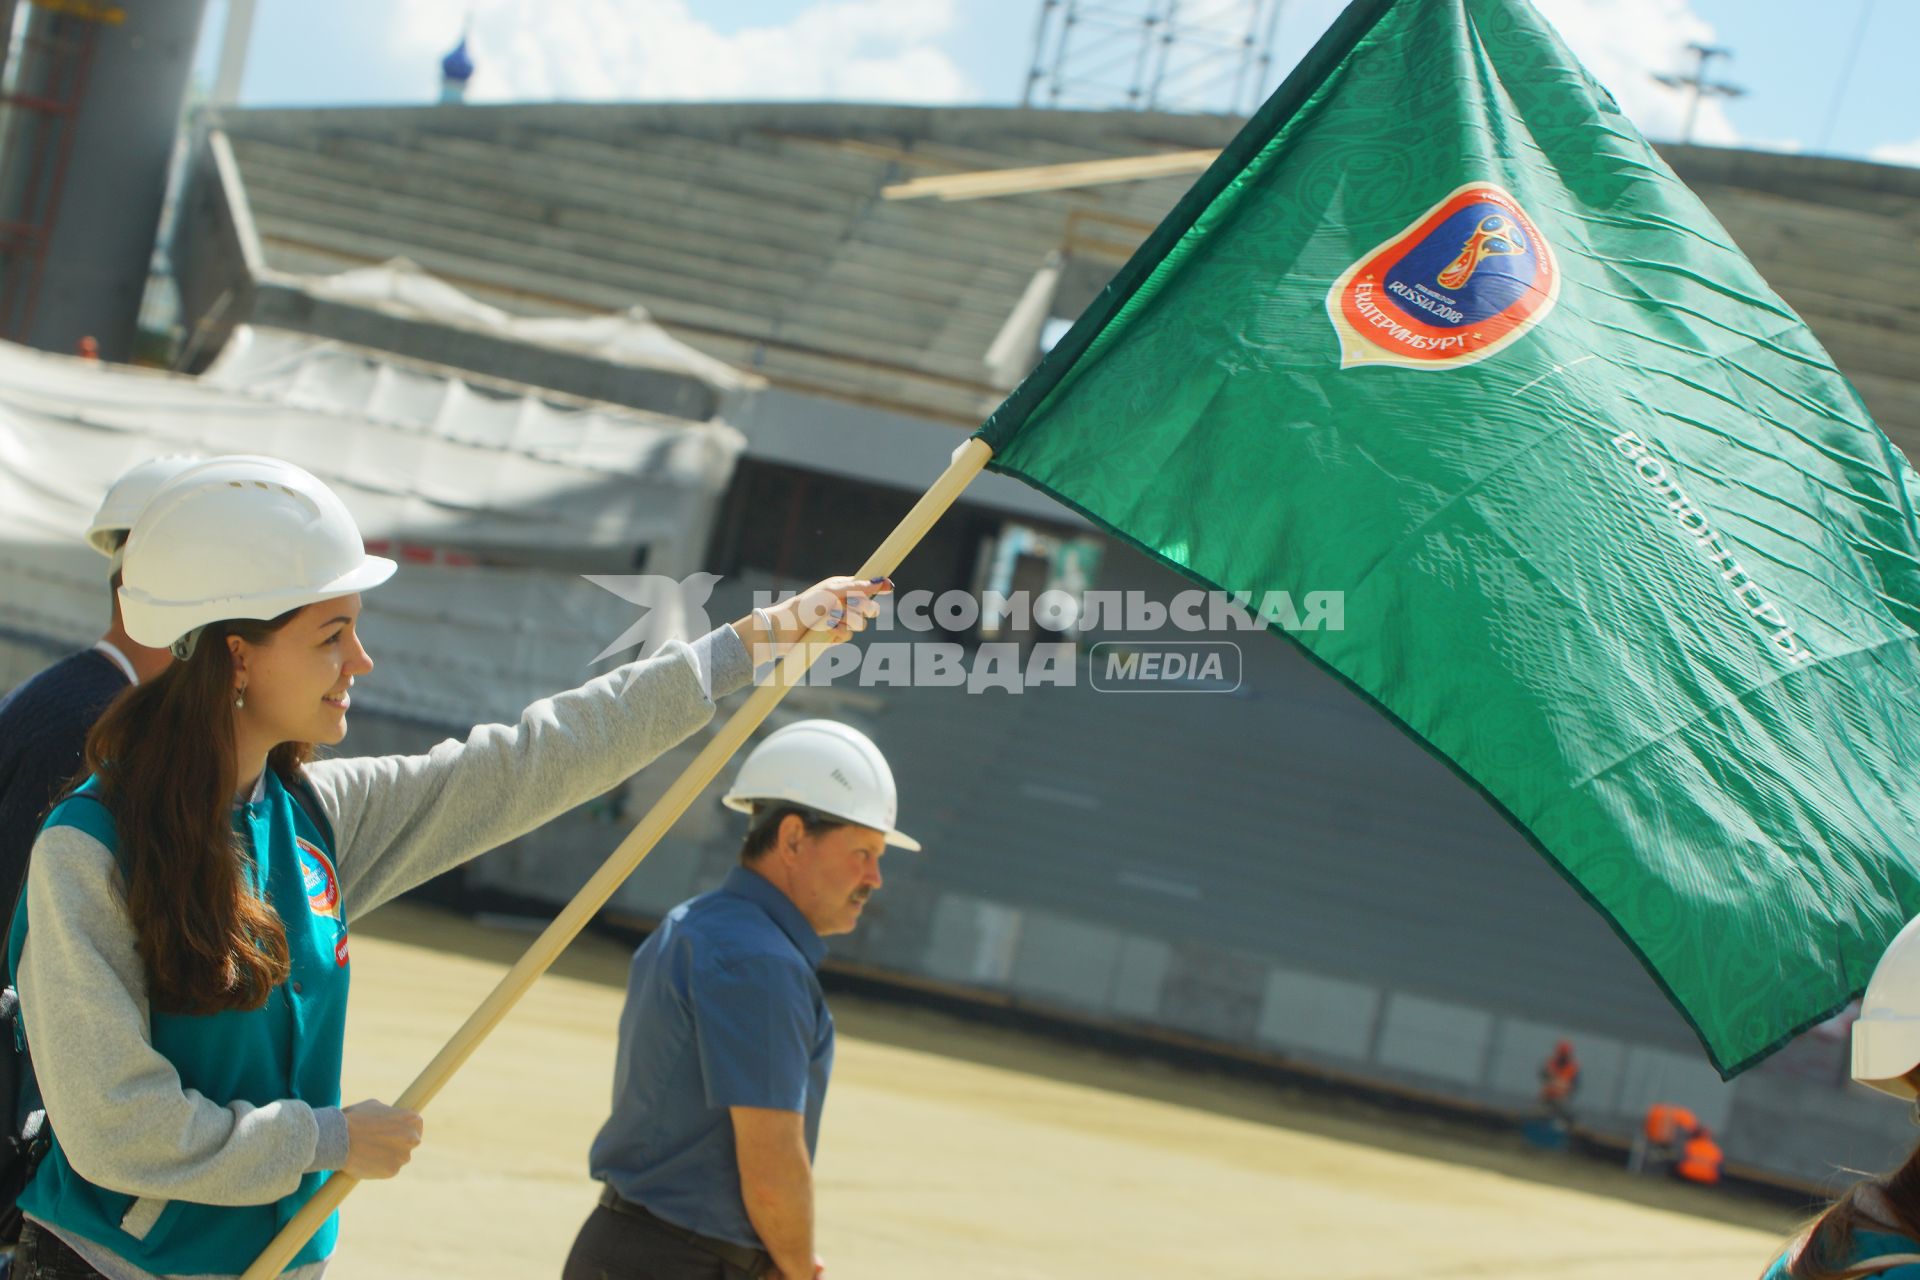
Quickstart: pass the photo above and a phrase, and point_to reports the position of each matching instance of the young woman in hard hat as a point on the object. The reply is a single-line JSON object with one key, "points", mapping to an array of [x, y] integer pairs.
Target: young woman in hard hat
{"points": [[1874, 1228], [181, 951]]}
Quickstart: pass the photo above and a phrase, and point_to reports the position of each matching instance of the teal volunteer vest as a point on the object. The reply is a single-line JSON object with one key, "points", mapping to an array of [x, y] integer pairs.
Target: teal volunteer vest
{"points": [[289, 1048]]}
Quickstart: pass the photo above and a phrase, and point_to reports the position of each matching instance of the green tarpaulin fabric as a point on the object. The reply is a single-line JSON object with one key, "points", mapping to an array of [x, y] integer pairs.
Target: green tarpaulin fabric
{"points": [[1440, 331]]}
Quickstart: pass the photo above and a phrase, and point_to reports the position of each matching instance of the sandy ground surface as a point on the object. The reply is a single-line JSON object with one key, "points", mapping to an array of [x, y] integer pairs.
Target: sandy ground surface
{"points": [[951, 1149]]}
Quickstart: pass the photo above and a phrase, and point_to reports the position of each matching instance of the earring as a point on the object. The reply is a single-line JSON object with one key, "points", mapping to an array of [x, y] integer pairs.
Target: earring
{"points": [[240, 697]]}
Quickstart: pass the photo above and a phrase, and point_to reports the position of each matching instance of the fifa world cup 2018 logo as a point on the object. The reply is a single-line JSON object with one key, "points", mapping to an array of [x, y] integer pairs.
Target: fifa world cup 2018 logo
{"points": [[1495, 237], [1462, 281]]}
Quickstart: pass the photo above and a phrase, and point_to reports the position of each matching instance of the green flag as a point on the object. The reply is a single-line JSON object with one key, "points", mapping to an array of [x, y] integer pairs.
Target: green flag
{"points": [[1440, 331]]}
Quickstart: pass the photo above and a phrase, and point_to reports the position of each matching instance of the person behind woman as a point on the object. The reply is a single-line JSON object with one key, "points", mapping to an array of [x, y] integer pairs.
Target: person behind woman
{"points": [[44, 721], [182, 949], [1873, 1229]]}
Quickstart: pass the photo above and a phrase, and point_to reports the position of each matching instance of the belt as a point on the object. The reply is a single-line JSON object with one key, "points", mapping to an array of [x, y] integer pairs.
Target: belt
{"points": [[752, 1261]]}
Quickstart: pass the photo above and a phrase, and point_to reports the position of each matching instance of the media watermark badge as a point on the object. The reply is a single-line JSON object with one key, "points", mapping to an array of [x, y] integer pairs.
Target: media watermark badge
{"points": [[1465, 279], [1166, 666]]}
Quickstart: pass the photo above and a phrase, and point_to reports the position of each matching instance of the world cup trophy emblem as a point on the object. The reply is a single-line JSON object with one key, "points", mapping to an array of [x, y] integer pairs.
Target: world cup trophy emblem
{"points": [[1457, 284], [1493, 238]]}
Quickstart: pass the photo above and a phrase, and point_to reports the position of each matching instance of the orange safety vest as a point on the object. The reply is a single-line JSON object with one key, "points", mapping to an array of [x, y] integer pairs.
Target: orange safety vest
{"points": [[1668, 1123], [1560, 1075], [1700, 1162]]}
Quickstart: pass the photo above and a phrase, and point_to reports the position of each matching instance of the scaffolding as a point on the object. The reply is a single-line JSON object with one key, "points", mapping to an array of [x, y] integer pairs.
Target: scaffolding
{"points": [[1200, 56], [42, 87]]}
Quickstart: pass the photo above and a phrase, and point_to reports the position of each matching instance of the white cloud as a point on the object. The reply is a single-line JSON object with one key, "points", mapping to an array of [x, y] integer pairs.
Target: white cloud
{"points": [[1897, 152], [653, 50], [1624, 43]]}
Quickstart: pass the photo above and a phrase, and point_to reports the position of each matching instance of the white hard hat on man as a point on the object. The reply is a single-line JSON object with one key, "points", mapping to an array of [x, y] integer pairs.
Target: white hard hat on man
{"points": [[827, 767], [128, 497]]}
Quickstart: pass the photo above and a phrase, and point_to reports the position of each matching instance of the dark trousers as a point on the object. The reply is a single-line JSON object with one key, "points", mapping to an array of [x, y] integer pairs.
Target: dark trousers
{"points": [[616, 1246], [40, 1255]]}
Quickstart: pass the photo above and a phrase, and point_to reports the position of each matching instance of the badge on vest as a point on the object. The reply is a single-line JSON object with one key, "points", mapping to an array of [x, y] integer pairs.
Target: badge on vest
{"points": [[322, 884]]}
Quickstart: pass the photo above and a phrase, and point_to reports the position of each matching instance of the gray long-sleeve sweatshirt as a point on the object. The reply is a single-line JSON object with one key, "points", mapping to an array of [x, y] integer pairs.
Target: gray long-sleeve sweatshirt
{"points": [[123, 1117]]}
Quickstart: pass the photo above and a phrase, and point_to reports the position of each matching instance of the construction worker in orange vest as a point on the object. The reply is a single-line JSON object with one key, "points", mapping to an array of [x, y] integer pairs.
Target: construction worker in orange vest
{"points": [[1667, 1129], [1559, 1080], [1668, 1124], [1700, 1159]]}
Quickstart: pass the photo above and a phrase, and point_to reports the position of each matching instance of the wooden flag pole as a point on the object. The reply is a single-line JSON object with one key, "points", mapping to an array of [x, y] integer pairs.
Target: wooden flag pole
{"points": [[986, 183], [967, 463]]}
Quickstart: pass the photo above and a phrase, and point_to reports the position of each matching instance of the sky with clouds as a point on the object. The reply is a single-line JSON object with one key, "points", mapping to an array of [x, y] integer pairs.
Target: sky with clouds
{"points": [[1831, 78]]}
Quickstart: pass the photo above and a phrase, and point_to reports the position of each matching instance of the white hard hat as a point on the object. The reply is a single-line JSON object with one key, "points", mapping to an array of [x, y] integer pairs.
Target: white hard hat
{"points": [[239, 537], [825, 766], [129, 497], [1886, 1036]]}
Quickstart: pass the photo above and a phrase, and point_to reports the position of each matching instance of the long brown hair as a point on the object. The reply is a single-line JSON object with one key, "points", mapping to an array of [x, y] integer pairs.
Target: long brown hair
{"points": [[164, 754], [1829, 1237]]}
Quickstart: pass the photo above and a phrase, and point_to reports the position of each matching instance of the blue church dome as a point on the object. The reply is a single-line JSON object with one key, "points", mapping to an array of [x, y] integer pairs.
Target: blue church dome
{"points": [[457, 65]]}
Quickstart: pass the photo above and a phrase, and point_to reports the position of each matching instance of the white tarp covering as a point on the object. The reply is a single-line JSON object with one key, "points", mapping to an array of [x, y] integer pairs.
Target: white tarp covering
{"points": [[401, 287], [432, 403], [495, 504]]}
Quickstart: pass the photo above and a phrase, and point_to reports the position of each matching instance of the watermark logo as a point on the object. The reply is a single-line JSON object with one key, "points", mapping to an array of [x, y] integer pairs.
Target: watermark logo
{"points": [[674, 609], [1115, 641], [1176, 666]]}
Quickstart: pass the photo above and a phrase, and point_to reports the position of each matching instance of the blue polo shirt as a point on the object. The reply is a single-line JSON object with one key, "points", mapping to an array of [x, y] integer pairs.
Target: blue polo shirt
{"points": [[724, 1009]]}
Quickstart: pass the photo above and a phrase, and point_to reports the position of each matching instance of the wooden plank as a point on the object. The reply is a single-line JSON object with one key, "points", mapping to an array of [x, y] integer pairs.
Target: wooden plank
{"points": [[1049, 177]]}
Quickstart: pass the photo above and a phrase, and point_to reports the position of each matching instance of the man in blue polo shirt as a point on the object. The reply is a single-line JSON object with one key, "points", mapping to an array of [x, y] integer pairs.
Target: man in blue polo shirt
{"points": [[726, 1043]]}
